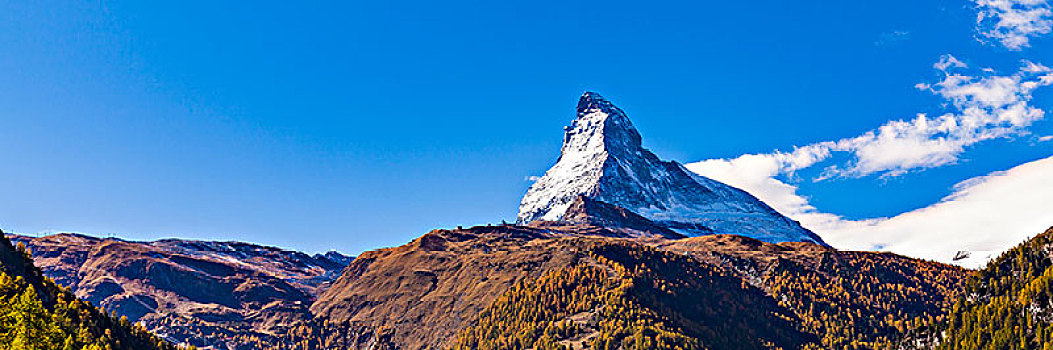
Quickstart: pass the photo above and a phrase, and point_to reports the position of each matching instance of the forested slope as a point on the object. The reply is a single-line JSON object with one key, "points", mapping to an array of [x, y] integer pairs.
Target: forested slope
{"points": [[1008, 304]]}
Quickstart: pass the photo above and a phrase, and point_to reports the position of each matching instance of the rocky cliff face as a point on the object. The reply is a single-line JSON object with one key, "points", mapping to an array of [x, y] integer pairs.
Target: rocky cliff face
{"points": [[204, 293], [603, 159]]}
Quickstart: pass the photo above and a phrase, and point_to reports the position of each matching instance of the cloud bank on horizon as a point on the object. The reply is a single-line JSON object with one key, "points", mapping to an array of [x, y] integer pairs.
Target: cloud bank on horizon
{"points": [[984, 215]]}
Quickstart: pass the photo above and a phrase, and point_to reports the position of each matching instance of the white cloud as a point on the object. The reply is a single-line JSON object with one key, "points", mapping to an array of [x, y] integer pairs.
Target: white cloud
{"points": [[983, 216], [1013, 22], [946, 62], [1045, 138], [985, 107]]}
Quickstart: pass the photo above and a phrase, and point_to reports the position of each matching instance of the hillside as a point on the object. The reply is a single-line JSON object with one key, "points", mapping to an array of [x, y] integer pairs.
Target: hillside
{"points": [[426, 290], [485, 287], [849, 299], [1006, 305], [634, 297], [203, 293], [36, 313], [430, 290]]}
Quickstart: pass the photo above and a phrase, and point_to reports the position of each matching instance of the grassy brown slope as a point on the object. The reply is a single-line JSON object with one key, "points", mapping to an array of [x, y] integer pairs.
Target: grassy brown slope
{"points": [[431, 288]]}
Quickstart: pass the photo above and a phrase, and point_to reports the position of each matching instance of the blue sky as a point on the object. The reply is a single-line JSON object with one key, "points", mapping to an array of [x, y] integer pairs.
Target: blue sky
{"points": [[352, 126]]}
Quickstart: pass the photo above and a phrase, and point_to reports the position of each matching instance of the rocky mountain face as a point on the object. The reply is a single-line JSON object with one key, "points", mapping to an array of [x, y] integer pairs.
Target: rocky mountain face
{"points": [[603, 159], [227, 294], [619, 221]]}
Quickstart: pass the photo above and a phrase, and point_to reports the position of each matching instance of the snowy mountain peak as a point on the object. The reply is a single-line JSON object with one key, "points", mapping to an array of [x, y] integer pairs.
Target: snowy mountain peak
{"points": [[603, 159], [601, 121], [593, 101]]}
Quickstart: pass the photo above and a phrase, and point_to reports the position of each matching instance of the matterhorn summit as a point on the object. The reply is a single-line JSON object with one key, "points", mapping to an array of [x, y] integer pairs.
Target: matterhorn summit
{"points": [[603, 160]]}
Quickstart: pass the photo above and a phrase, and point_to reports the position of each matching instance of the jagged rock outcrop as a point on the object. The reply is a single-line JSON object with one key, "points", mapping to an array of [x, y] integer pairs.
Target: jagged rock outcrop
{"points": [[624, 223]]}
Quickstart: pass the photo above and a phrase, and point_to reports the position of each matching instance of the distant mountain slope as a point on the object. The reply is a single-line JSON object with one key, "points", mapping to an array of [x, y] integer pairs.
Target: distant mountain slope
{"points": [[603, 159], [205, 293], [36, 313], [482, 287], [1006, 305]]}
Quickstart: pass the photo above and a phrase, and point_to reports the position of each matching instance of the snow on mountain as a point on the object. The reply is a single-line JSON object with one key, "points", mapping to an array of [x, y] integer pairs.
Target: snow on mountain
{"points": [[603, 159]]}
